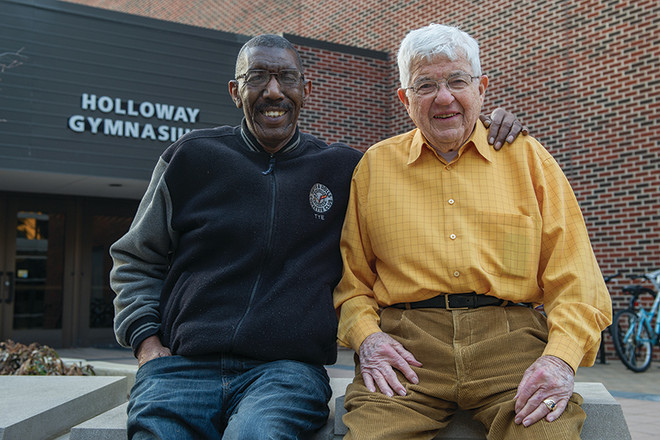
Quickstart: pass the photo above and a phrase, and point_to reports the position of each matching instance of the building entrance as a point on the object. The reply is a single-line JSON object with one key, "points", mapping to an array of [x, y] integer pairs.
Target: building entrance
{"points": [[54, 268], [34, 289]]}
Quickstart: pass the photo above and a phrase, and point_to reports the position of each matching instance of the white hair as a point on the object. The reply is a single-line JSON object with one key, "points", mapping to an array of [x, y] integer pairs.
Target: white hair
{"points": [[422, 45]]}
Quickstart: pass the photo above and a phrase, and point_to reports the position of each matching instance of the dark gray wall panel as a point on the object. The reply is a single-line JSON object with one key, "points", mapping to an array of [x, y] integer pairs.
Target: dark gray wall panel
{"points": [[51, 53]]}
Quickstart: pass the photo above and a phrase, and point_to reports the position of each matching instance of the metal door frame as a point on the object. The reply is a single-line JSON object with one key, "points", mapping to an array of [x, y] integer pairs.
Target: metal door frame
{"points": [[13, 204]]}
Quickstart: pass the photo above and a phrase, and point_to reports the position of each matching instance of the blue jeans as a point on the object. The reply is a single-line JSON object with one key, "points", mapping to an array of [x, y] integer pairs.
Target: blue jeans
{"points": [[225, 397]]}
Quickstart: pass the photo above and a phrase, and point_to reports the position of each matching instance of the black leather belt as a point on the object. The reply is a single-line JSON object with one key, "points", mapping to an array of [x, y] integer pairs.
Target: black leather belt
{"points": [[452, 301]]}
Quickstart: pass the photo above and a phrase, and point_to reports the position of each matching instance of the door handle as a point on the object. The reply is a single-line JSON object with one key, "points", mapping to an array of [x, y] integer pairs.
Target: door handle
{"points": [[8, 286]]}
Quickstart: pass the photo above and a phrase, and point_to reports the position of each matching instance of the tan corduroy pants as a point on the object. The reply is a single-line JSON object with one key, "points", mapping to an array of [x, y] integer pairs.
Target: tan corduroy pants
{"points": [[472, 359]]}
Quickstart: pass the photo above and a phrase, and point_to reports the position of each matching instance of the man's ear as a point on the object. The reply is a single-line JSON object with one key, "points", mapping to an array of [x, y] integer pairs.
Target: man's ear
{"points": [[307, 90], [403, 97], [233, 91], [483, 85]]}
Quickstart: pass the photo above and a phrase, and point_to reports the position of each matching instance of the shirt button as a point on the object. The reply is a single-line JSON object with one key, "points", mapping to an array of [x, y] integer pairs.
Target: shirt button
{"points": [[453, 236], [457, 274], [451, 201]]}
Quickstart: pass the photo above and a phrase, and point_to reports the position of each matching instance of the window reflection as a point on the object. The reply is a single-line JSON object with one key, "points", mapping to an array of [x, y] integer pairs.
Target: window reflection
{"points": [[39, 270]]}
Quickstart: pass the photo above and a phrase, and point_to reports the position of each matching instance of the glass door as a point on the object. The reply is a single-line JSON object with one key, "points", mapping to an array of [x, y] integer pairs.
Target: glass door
{"points": [[104, 222], [33, 282]]}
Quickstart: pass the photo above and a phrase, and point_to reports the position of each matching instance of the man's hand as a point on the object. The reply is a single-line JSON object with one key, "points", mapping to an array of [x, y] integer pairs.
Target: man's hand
{"points": [[151, 348], [379, 352], [547, 378], [503, 127]]}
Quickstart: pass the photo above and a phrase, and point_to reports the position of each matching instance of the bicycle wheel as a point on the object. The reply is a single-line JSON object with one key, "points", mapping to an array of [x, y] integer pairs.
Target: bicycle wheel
{"points": [[632, 344]]}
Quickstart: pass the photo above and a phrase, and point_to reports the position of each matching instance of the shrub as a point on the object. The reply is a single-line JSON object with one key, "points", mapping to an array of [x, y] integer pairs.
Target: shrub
{"points": [[36, 360]]}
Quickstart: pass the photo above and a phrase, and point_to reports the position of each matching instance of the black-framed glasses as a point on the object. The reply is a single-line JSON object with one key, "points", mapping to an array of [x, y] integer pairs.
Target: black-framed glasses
{"points": [[259, 77], [454, 83]]}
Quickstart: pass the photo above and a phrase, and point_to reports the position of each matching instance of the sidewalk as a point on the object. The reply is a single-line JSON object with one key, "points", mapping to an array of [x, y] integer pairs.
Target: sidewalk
{"points": [[638, 393]]}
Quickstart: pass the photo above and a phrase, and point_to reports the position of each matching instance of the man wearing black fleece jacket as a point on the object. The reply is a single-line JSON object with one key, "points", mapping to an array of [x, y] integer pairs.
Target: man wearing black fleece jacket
{"points": [[224, 280]]}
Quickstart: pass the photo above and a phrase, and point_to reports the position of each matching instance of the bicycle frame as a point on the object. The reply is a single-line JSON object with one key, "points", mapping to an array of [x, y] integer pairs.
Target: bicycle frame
{"points": [[645, 320], [646, 317], [633, 331]]}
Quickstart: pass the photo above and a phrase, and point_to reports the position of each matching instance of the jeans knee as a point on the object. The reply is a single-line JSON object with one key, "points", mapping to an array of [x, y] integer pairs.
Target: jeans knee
{"points": [[259, 427]]}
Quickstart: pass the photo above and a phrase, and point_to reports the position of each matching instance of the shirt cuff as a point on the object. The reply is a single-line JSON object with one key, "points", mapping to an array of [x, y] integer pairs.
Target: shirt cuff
{"points": [[359, 333], [566, 350]]}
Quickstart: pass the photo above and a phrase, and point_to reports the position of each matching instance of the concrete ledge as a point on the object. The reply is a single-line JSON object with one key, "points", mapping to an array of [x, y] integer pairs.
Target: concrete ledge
{"points": [[108, 369], [112, 424], [604, 414], [605, 419], [34, 407]]}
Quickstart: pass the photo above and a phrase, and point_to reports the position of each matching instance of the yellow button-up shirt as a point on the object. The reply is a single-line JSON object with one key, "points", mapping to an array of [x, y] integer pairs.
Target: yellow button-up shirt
{"points": [[503, 223]]}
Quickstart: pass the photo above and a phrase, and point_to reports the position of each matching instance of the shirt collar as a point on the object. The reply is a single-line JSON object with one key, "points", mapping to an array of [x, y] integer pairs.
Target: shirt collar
{"points": [[254, 145], [477, 139], [417, 145]]}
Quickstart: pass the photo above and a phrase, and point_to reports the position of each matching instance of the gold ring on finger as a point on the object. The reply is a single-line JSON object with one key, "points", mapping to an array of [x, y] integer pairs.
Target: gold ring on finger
{"points": [[550, 404]]}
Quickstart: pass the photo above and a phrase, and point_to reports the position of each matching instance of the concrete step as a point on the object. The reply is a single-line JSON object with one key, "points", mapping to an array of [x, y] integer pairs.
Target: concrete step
{"points": [[42, 407], [110, 425]]}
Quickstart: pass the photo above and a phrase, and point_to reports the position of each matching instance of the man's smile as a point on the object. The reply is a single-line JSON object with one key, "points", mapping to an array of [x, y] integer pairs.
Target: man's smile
{"points": [[445, 116], [274, 113]]}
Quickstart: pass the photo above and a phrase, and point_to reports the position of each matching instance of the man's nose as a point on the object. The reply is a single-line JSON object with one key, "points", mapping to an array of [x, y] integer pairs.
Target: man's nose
{"points": [[272, 89], [444, 95]]}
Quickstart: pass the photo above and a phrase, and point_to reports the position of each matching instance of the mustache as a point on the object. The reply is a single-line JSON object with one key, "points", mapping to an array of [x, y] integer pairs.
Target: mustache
{"points": [[274, 106]]}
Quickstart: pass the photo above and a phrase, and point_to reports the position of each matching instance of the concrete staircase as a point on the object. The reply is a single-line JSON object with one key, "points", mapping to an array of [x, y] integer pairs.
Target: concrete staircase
{"points": [[47, 407], [94, 408]]}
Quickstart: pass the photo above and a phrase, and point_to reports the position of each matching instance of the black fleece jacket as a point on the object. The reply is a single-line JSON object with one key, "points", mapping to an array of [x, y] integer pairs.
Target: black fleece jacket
{"points": [[234, 250]]}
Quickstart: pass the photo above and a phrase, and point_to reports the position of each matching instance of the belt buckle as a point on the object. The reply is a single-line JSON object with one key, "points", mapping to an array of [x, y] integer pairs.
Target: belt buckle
{"points": [[448, 307]]}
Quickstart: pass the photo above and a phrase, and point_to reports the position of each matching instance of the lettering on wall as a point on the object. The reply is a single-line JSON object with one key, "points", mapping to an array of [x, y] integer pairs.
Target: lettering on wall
{"points": [[111, 116]]}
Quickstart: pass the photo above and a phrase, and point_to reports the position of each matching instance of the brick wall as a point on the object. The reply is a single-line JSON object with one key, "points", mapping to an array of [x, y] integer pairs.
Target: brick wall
{"points": [[582, 75], [346, 102]]}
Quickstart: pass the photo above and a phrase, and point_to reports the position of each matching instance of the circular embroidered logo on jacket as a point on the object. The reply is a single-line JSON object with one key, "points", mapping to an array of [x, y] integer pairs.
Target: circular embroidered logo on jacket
{"points": [[320, 197]]}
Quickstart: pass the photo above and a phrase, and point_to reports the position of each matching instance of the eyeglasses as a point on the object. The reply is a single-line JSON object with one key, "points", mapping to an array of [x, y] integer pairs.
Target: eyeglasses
{"points": [[455, 83], [259, 78]]}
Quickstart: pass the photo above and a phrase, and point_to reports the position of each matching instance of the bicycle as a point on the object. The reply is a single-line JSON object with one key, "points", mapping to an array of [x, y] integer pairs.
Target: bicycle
{"points": [[633, 331]]}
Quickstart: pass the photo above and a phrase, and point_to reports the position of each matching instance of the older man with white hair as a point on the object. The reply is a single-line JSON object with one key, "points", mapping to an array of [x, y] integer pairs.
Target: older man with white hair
{"points": [[449, 247]]}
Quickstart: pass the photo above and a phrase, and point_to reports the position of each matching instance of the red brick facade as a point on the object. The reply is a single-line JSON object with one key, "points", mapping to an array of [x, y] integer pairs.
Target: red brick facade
{"points": [[582, 75], [346, 103]]}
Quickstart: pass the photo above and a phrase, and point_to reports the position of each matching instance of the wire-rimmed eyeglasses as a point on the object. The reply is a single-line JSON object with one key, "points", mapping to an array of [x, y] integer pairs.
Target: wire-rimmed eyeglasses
{"points": [[259, 77], [454, 83]]}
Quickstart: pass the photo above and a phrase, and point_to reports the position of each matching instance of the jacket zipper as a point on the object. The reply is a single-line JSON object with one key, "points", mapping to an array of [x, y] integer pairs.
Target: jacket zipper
{"points": [[267, 251], [271, 166]]}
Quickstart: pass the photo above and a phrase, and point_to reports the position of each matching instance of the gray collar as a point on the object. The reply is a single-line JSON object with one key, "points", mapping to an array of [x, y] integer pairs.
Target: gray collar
{"points": [[255, 146]]}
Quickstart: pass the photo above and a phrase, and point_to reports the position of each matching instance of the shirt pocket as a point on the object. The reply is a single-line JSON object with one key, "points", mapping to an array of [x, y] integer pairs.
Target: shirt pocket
{"points": [[509, 244]]}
